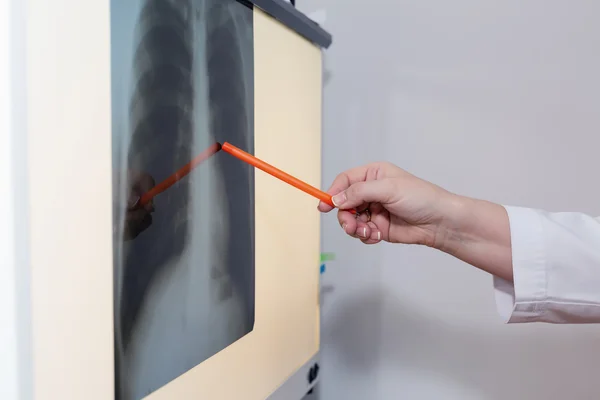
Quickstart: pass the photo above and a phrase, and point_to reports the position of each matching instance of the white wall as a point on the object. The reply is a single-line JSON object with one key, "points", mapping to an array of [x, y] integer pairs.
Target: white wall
{"points": [[15, 323], [8, 303], [495, 99]]}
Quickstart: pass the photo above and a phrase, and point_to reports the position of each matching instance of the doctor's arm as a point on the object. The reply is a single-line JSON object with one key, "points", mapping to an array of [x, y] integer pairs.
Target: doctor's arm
{"points": [[546, 266]]}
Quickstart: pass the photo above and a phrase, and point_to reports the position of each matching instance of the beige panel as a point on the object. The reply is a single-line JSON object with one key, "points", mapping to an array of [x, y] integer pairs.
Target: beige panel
{"points": [[288, 135], [70, 187]]}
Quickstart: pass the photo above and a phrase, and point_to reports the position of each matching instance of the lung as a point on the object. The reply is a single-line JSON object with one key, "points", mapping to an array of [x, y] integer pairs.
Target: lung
{"points": [[162, 133], [184, 287]]}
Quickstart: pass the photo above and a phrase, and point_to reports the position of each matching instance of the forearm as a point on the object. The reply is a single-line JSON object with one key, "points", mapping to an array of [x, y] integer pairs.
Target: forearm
{"points": [[477, 232]]}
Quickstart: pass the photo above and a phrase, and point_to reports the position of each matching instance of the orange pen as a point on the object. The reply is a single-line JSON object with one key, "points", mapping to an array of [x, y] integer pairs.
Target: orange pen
{"points": [[277, 173], [178, 175]]}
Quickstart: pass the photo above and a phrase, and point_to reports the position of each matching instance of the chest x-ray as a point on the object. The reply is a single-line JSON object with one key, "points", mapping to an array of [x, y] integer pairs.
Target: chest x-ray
{"points": [[182, 79]]}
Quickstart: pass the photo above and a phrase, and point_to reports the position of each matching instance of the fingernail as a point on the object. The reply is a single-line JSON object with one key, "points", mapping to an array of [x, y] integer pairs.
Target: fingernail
{"points": [[378, 235], [363, 232], [344, 227], [133, 201], [339, 199]]}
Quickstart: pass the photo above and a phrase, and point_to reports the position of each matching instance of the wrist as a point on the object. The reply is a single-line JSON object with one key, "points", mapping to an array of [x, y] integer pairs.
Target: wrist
{"points": [[454, 226], [467, 221], [477, 232]]}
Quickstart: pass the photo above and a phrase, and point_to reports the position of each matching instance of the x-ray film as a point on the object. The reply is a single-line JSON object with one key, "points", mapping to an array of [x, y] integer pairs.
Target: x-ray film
{"points": [[182, 80]]}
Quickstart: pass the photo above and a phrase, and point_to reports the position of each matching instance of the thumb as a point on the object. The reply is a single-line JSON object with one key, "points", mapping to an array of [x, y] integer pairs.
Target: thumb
{"points": [[379, 191]]}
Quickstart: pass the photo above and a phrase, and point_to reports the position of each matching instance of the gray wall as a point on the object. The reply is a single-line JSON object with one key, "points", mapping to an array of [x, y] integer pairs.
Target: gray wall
{"points": [[493, 99]]}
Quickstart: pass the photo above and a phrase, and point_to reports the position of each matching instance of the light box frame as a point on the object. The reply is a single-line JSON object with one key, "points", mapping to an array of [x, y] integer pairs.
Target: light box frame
{"points": [[70, 226]]}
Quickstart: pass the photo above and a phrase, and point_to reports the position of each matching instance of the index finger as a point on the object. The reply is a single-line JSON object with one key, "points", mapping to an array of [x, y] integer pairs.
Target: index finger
{"points": [[345, 180]]}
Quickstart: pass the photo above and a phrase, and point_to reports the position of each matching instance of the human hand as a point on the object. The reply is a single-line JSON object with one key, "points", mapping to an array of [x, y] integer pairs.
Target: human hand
{"points": [[138, 218], [403, 208]]}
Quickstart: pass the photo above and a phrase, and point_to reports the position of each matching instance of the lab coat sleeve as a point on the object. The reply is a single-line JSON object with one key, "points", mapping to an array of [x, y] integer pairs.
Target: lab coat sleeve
{"points": [[556, 268]]}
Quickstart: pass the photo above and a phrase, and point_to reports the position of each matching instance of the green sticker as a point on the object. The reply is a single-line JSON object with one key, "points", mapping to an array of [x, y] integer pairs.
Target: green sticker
{"points": [[327, 257]]}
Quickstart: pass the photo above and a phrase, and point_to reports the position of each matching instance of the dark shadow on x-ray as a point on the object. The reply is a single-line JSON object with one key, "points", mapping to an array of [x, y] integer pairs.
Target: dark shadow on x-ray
{"points": [[172, 107]]}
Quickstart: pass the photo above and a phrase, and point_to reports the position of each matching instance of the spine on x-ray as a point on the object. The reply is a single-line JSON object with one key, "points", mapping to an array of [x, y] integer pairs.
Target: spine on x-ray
{"points": [[230, 67]]}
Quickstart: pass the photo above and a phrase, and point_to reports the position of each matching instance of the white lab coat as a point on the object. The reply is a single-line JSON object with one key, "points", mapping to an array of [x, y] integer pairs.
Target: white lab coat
{"points": [[556, 266]]}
